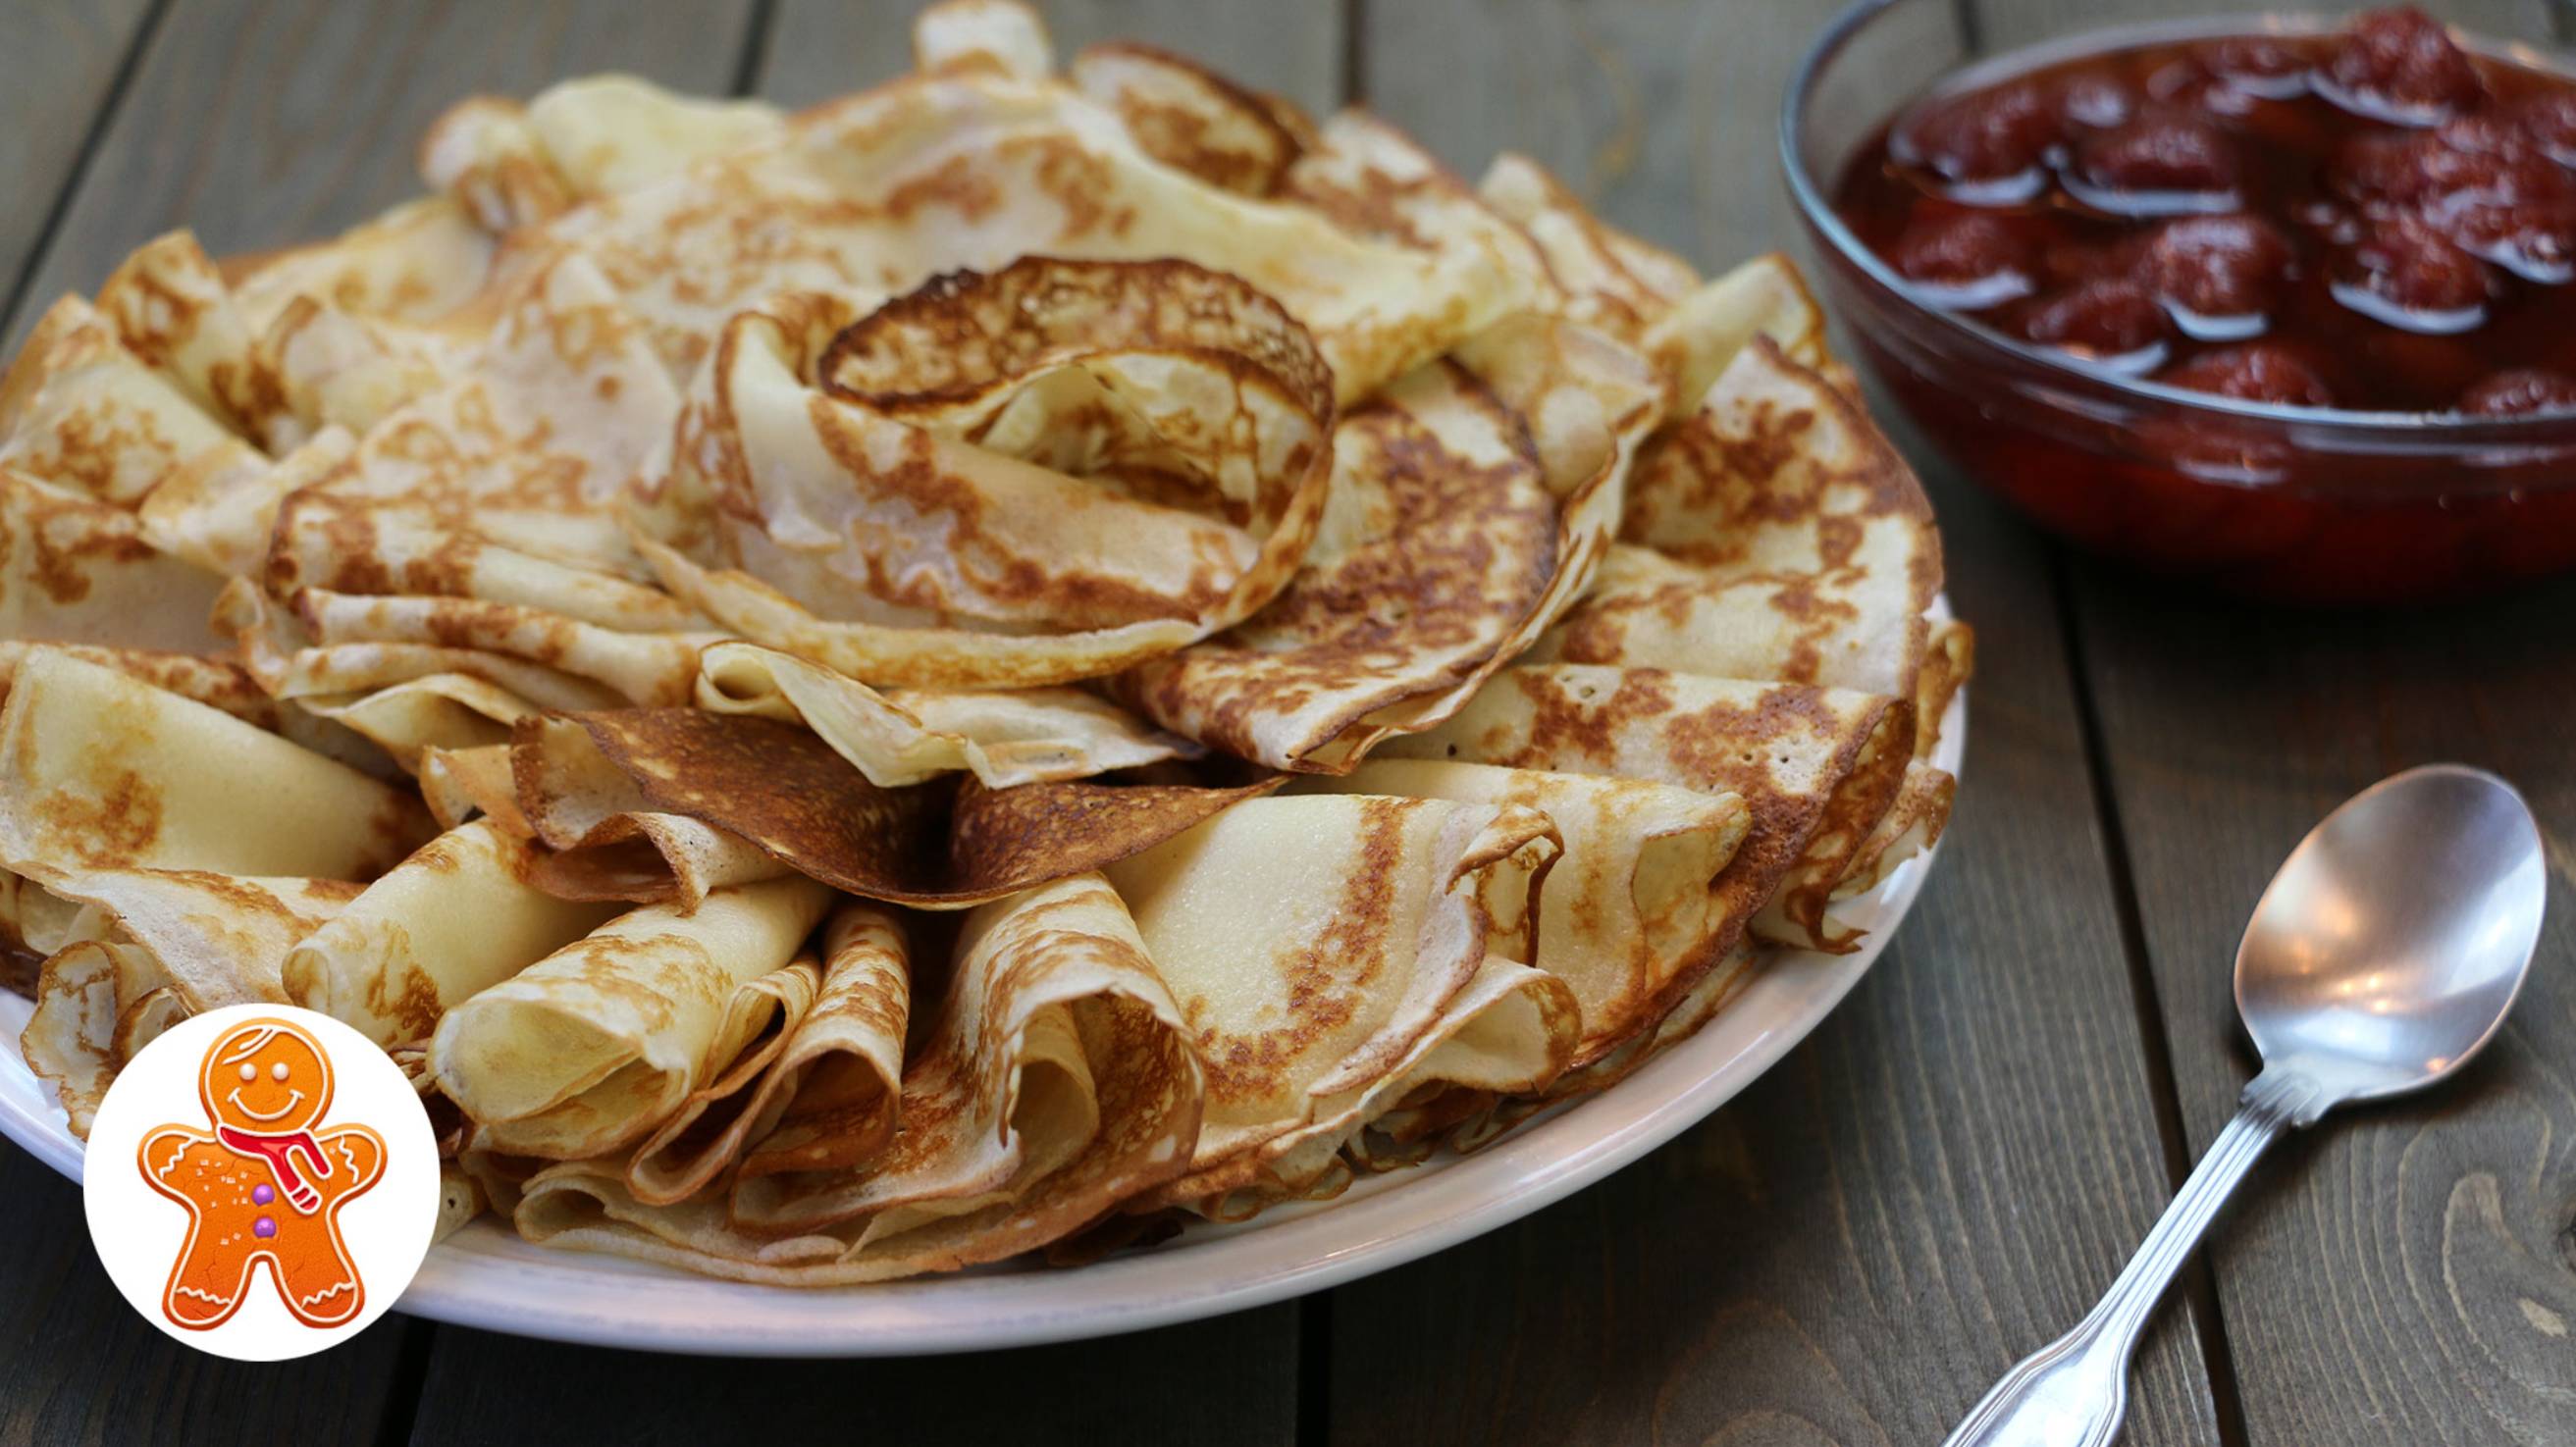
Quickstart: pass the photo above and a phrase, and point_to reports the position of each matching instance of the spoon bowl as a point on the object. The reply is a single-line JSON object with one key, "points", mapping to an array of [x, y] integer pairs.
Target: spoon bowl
{"points": [[2392, 942]]}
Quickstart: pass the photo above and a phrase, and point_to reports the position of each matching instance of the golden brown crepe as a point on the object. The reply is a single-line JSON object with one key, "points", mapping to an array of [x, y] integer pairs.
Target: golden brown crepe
{"points": [[98, 769], [907, 736], [456, 917], [75, 570], [752, 790], [1054, 1083], [592, 1047], [1633, 902], [820, 1095], [133, 951], [1016, 479], [1789, 541], [1818, 767], [1440, 538], [1321, 946]]}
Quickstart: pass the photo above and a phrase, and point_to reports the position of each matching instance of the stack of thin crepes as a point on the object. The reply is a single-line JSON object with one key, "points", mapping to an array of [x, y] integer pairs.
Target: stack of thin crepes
{"points": [[868, 691]]}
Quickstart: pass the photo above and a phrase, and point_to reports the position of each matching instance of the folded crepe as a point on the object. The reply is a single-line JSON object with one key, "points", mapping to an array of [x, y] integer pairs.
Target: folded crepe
{"points": [[99, 769], [456, 917], [1631, 905], [475, 527], [1694, 342], [1321, 948], [1008, 480], [1613, 280], [76, 570], [131, 952], [1192, 119], [446, 711], [594, 1046], [1775, 534], [819, 1094], [1055, 1082], [1434, 564], [83, 414], [739, 791], [1440, 538], [984, 157], [1819, 768], [910, 735], [218, 683]]}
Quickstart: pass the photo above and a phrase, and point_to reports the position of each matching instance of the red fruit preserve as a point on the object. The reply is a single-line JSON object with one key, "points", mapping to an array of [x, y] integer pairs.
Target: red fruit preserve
{"points": [[2372, 219]]}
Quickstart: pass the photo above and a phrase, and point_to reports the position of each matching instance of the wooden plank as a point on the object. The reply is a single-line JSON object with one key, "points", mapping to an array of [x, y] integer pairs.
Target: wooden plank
{"points": [[1958, 1162], [1234, 1379], [258, 123], [823, 48], [2407, 1274], [2003, 24], [1659, 112], [83, 1367], [57, 69], [1219, 1381]]}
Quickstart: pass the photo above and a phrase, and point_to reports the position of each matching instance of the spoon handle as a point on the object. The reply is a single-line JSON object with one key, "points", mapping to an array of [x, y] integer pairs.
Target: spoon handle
{"points": [[2073, 1392]]}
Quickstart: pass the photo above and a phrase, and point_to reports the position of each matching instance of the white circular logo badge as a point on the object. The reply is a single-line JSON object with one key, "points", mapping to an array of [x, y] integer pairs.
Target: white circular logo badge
{"points": [[261, 1182]]}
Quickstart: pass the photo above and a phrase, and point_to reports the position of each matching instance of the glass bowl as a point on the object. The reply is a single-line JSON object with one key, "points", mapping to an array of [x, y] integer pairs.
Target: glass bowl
{"points": [[2300, 504]]}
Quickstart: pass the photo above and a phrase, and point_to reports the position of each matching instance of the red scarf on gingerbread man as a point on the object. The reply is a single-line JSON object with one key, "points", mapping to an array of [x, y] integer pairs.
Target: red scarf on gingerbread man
{"points": [[275, 1149]]}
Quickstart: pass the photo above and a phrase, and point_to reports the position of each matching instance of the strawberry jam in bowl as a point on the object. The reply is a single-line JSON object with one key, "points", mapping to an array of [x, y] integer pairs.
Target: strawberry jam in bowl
{"points": [[2285, 304]]}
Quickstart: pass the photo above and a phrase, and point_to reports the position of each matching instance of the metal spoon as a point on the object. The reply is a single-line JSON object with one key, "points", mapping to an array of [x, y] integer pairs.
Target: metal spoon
{"points": [[2382, 956]]}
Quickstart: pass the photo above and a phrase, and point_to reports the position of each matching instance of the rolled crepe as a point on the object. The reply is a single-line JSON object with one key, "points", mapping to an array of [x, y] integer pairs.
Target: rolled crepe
{"points": [[1819, 768], [1056, 1082], [100, 769], [1314, 943], [594, 1046], [133, 951], [906, 736], [818, 1094], [1120, 459], [456, 917], [1632, 902]]}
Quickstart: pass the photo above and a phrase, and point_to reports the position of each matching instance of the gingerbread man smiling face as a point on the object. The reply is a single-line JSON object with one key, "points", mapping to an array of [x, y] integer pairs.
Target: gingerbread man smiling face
{"points": [[266, 1078], [264, 1184]]}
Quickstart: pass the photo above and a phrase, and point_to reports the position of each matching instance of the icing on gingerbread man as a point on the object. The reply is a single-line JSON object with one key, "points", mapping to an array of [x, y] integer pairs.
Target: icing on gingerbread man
{"points": [[263, 1185]]}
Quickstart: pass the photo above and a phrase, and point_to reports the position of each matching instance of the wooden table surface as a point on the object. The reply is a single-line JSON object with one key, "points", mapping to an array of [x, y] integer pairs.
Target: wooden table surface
{"points": [[1942, 1177]]}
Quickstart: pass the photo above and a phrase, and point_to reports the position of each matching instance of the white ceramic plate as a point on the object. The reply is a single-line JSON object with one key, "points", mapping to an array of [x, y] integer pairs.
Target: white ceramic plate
{"points": [[485, 1276]]}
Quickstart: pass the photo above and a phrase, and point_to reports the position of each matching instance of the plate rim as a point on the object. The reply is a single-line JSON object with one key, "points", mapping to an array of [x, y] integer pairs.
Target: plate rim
{"points": [[525, 1290]]}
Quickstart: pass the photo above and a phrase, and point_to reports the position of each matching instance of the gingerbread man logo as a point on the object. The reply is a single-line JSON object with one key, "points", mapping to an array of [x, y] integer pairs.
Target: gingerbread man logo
{"points": [[264, 1184]]}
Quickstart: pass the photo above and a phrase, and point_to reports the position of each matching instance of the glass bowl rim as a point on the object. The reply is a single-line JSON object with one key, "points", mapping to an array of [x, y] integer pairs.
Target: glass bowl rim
{"points": [[1819, 214]]}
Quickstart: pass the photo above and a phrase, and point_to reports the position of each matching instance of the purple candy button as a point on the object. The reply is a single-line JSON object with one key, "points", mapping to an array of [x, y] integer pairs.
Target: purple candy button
{"points": [[261, 1195], [263, 1228]]}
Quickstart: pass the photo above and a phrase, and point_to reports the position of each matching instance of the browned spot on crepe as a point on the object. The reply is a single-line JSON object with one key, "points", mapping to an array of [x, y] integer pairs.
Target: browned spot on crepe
{"points": [[785, 790]]}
